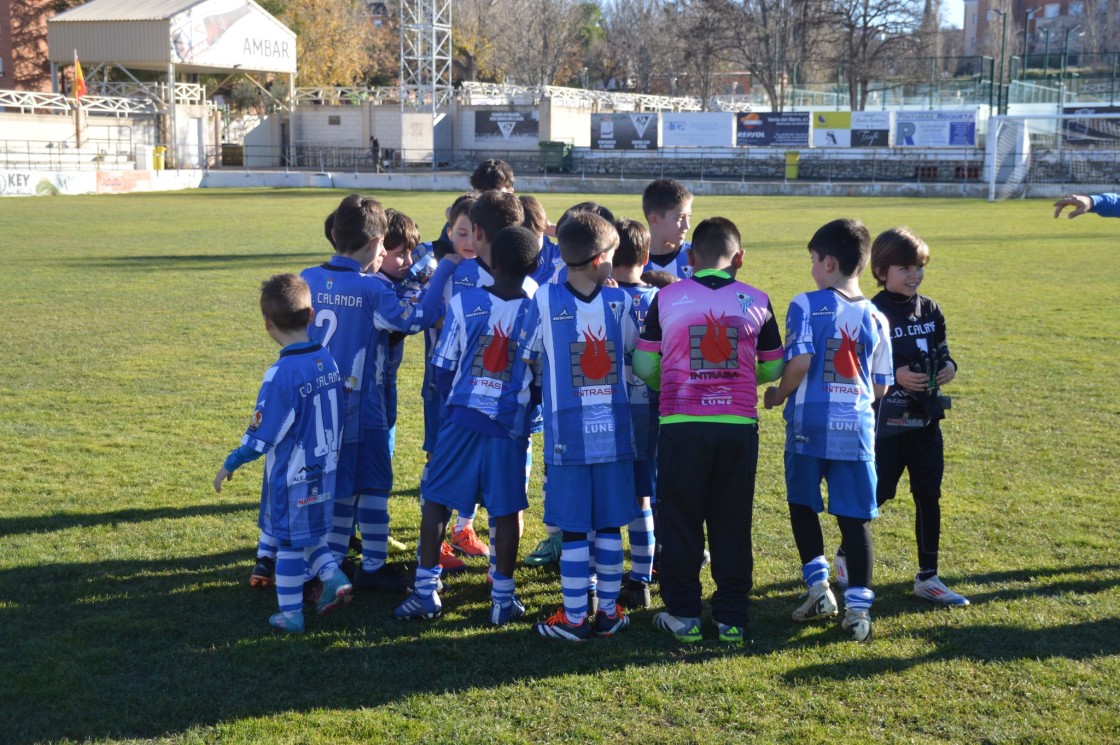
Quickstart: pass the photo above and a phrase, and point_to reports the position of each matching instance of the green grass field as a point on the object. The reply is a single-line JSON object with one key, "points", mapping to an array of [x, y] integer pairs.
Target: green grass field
{"points": [[134, 349]]}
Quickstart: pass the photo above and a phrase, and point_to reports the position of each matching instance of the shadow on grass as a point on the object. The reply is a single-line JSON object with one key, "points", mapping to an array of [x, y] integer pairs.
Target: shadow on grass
{"points": [[186, 262], [66, 520], [144, 648]]}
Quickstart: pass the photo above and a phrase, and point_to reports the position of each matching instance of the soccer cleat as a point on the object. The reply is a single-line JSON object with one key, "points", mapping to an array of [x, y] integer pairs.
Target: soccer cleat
{"points": [[395, 546], [500, 615], [546, 552], [634, 594], [335, 594], [466, 541], [264, 573], [610, 625], [858, 624], [730, 634], [312, 591], [819, 603], [683, 628], [934, 589], [389, 578], [448, 560], [289, 623], [556, 626], [841, 564], [416, 607]]}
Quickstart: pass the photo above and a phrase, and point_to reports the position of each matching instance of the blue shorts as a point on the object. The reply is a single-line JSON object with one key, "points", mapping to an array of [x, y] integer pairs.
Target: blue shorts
{"points": [[645, 472], [851, 485], [470, 468], [366, 465], [431, 425], [585, 498]]}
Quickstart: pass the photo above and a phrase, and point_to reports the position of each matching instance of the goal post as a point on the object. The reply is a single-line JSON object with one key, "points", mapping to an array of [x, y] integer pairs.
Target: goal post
{"points": [[1048, 155]]}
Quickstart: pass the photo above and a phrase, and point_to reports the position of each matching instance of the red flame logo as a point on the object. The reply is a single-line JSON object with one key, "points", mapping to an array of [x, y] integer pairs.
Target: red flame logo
{"points": [[844, 361], [715, 345], [595, 362], [496, 357]]}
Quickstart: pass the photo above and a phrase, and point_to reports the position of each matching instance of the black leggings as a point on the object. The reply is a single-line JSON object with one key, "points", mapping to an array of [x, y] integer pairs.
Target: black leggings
{"points": [[855, 542]]}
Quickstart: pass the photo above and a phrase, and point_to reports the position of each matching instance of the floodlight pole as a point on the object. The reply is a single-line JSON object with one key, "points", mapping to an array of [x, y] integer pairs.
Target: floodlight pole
{"points": [[1026, 27]]}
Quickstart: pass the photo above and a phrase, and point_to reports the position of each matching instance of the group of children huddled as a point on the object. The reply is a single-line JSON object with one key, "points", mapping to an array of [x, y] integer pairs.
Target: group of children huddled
{"points": [[639, 355]]}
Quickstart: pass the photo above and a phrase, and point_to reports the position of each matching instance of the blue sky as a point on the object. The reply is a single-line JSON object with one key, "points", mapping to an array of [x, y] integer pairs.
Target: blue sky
{"points": [[953, 11]]}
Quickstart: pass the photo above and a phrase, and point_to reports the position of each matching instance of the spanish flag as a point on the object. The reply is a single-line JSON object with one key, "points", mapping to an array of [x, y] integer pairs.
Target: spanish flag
{"points": [[79, 78]]}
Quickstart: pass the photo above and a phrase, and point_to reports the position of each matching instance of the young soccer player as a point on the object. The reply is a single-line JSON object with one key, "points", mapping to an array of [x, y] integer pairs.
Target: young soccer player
{"points": [[838, 361], [536, 221], [492, 175], [351, 309], [708, 342], [296, 423], [581, 332], [908, 432], [667, 205], [631, 256], [485, 435]]}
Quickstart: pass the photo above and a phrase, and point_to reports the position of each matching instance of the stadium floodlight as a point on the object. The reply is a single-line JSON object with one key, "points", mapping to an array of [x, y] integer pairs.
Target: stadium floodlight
{"points": [[425, 54]]}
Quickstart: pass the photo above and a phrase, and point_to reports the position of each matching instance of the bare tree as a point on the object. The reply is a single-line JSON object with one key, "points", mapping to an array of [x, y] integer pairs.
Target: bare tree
{"points": [[871, 35], [541, 41], [705, 44], [636, 31]]}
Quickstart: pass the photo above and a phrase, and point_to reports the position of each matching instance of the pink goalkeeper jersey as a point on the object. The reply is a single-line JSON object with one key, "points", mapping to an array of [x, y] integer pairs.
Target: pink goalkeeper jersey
{"points": [[708, 347]]}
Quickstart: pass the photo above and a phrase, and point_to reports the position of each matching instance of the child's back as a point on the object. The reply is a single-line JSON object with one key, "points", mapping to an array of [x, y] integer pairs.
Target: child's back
{"points": [[830, 414]]}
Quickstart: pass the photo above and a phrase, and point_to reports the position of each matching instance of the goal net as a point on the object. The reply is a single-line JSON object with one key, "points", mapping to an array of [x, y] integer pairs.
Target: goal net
{"points": [[1047, 155]]}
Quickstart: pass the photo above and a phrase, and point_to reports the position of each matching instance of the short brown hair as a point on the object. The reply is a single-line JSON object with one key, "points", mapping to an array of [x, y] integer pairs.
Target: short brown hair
{"points": [[716, 238], [659, 278], [847, 240], [492, 174], [535, 218], [401, 231], [633, 243], [357, 221], [897, 247], [583, 236], [662, 195], [461, 206], [286, 302], [494, 210]]}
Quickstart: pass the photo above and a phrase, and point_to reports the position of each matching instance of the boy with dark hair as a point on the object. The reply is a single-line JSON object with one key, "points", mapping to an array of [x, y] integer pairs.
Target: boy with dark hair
{"points": [[536, 221], [667, 206], [708, 342], [838, 361], [492, 175], [351, 309], [484, 439], [908, 435], [296, 423], [631, 256], [581, 331]]}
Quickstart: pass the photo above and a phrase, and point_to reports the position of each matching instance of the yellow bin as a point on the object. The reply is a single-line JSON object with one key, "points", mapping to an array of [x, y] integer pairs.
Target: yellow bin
{"points": [[157, 157], [793, 163]]}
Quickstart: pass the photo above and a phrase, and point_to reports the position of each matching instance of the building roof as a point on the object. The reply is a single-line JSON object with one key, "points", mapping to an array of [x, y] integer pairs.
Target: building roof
{"points": [[125, 10]]}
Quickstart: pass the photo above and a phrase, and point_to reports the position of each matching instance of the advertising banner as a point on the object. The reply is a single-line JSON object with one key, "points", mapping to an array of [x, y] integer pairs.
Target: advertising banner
{"points": [[232, 34], [935, 129], [1091, 132], [832, 128], [493, 128], [624, 131], [698, 129], [871, 128], [784, 129]]}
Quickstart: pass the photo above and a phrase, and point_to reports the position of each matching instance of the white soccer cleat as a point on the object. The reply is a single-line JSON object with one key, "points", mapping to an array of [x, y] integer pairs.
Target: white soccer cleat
{"points": [[858, 624], [819, 603], [933, 589]]}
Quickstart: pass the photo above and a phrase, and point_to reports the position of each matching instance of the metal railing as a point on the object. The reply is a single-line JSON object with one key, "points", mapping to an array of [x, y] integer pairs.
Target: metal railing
{"points": [[28, 102], [95, 154]]}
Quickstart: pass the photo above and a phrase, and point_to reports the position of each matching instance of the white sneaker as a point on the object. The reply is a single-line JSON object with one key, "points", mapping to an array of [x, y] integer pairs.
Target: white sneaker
{"points": [[934, 589], [819, 603], [858, 624], [841, 564]]}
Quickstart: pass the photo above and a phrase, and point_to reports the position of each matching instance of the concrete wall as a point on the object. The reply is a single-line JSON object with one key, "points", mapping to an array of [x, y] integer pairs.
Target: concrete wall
{"points": [[565, 124], [332, 126]]}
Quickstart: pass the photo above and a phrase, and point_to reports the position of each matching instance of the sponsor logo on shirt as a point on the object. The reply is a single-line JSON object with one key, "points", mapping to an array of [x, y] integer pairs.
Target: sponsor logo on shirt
{"points": [[745, 300], [683, 300], [479, 311], [823, 311], [564, 316]]}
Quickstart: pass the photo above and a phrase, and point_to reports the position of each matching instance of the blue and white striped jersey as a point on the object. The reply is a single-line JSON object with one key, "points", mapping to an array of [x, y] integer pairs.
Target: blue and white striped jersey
{"points": [[296, 424], [830, 414], [582, 343]]}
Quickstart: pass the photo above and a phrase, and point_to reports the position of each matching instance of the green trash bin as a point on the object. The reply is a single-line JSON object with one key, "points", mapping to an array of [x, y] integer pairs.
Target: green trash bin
{"points": [[793, 164], [556, 156]]}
